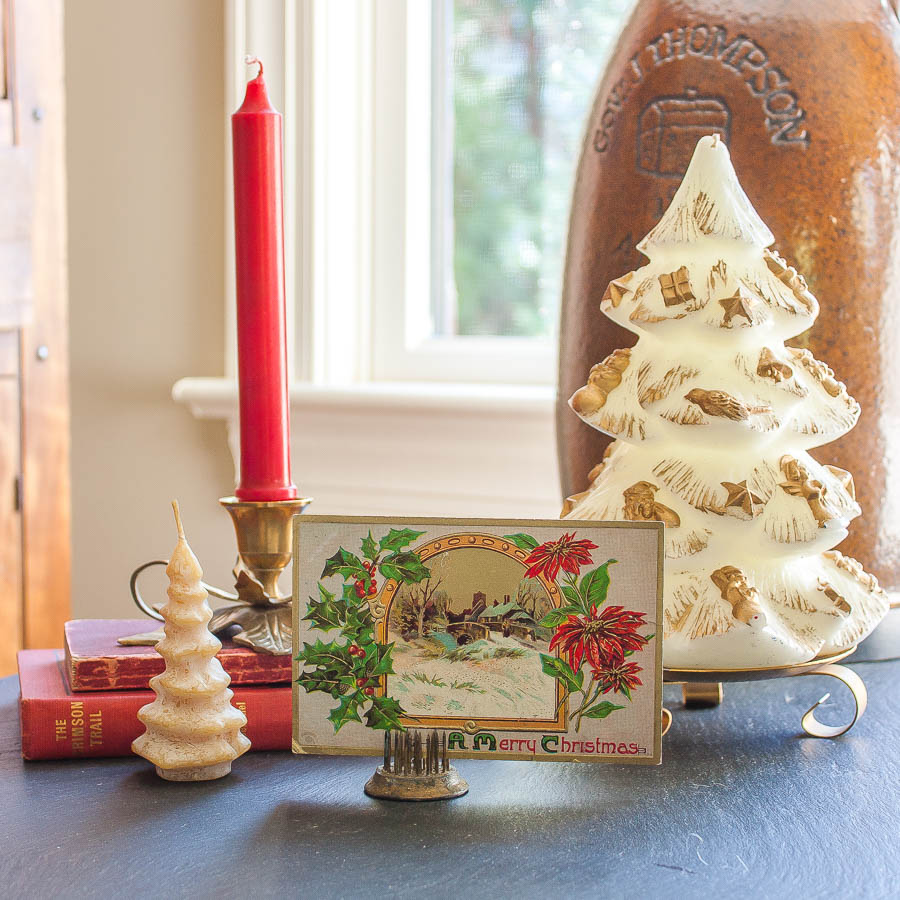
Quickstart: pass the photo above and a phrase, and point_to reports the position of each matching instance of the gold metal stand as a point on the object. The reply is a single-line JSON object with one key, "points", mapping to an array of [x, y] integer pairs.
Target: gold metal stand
{"points": [[702, 694], [414, 769], [703, 687], [263, 530]]}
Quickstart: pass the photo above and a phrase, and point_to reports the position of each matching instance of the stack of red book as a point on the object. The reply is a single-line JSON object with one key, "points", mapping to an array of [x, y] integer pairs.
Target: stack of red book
{"points": [[83, 700]]}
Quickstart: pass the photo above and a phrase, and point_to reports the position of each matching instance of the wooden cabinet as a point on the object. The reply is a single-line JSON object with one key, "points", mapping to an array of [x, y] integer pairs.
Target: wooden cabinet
{"points": [[11, 606], [34, 404]]}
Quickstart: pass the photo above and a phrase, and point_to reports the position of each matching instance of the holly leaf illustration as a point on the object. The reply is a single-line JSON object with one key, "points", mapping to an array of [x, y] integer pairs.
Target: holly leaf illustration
{"points": [[558, 616], [346, 711], [398, 538], [358, 625], [601, 710], [370, 649], [330, 656], [344, 563], [357, 614], [383, 663], [562, 671], [329, 683], [522, 541], [324, 613], [369, 547], [404, 567], [595, 584], [384, 714]]}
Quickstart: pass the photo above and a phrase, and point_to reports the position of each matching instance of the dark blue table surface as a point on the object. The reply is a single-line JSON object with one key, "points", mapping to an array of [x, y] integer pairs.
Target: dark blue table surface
{"points": [[742, 806]]}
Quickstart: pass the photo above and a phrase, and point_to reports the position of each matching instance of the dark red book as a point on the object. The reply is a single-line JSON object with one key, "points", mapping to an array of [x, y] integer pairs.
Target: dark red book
{"points": [[95, 662], [57, 723]]}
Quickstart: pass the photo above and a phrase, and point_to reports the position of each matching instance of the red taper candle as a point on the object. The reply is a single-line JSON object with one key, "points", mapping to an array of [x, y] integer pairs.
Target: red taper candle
{"points": [[261, 328]]}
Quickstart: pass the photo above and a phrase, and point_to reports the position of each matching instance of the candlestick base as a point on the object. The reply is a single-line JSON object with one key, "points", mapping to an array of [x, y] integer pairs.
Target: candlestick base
{"points": [[263, 530], [266, 629], [264, 615]]}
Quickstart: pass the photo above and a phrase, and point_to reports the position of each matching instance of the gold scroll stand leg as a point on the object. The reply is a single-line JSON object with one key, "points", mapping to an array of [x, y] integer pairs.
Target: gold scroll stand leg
{"points": [[704, 695], [666, 722], [701, 694], [812, 726], [696, 695]]}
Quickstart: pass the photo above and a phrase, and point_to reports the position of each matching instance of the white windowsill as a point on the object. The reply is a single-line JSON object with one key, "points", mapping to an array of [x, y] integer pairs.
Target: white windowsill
{"points": [[216, 398], [411, 449]]}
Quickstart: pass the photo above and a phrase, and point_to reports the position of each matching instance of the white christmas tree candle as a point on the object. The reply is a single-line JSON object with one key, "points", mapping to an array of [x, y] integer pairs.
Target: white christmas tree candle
{"points": [[713, 418], [193, 732]]}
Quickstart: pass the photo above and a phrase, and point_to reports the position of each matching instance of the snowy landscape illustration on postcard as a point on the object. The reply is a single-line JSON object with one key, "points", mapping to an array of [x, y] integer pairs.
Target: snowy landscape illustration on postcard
{"points": [[481, 629]]}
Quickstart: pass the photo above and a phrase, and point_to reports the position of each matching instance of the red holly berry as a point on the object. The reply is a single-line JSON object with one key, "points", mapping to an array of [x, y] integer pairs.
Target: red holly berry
{"points": [[353, 649], [360, 589], [361, 682], [361, 653], [369, 692], [373, 589]]}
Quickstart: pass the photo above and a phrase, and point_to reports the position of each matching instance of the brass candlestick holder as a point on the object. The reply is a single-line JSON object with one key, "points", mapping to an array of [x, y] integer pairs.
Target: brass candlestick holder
{"points": [[263, 530]]}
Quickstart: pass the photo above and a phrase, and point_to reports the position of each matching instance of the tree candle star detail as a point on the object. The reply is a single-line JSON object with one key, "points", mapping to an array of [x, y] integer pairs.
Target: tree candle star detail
{"points": [[740, 497], [740, 303]]}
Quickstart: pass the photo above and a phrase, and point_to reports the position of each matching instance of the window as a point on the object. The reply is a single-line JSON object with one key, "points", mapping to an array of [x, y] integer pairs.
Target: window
{"points": [[513, 83], [496, 92]]}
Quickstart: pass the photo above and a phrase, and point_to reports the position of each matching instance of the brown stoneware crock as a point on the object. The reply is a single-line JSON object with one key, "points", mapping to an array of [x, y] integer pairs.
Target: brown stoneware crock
{"points": [[807, 96]]}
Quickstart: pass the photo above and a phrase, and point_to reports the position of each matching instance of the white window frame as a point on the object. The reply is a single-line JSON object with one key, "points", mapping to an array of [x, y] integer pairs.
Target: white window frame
{"points": [[411, 209]]}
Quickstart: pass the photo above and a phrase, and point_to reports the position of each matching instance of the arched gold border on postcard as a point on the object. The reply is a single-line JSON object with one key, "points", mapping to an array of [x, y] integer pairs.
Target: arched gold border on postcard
{"points": [[381, 606]]}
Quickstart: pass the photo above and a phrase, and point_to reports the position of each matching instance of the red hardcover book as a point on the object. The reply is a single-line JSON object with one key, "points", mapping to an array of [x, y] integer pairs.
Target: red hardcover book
{"points": [[57, 723], [95, 662]]}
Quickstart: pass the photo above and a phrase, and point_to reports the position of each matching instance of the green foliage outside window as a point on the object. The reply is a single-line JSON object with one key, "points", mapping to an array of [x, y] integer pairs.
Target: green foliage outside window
{"points": [[524, 72]]}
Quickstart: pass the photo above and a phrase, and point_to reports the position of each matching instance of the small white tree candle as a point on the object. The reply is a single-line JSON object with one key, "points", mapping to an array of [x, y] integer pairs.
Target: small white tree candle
{"points": [[193, 732], [713, 418]]}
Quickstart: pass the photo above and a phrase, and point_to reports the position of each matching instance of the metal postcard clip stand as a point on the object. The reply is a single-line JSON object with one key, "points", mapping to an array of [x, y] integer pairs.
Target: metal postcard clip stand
{"points": [[415, 769]]}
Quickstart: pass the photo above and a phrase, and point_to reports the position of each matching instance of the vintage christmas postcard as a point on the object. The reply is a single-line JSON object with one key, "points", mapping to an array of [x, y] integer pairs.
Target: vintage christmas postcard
{"points": [[527, 639]]}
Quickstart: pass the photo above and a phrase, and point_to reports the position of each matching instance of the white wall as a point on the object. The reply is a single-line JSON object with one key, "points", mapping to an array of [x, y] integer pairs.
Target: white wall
{"points": [[145, 123]]}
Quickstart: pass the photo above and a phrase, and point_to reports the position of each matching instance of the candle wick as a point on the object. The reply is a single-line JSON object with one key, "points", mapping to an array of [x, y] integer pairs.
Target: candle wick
{"points": [[250, 60], [178, 524]]}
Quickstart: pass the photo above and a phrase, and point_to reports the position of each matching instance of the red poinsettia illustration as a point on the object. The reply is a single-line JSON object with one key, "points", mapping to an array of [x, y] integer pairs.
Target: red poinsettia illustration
{"points": [[565, 553], [584, 628], [603, 636], [622, 678]]}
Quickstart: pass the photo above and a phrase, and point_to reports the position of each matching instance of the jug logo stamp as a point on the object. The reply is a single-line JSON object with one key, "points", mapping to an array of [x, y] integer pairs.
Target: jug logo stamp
{"points": [[741, 55], [669, 128]]}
